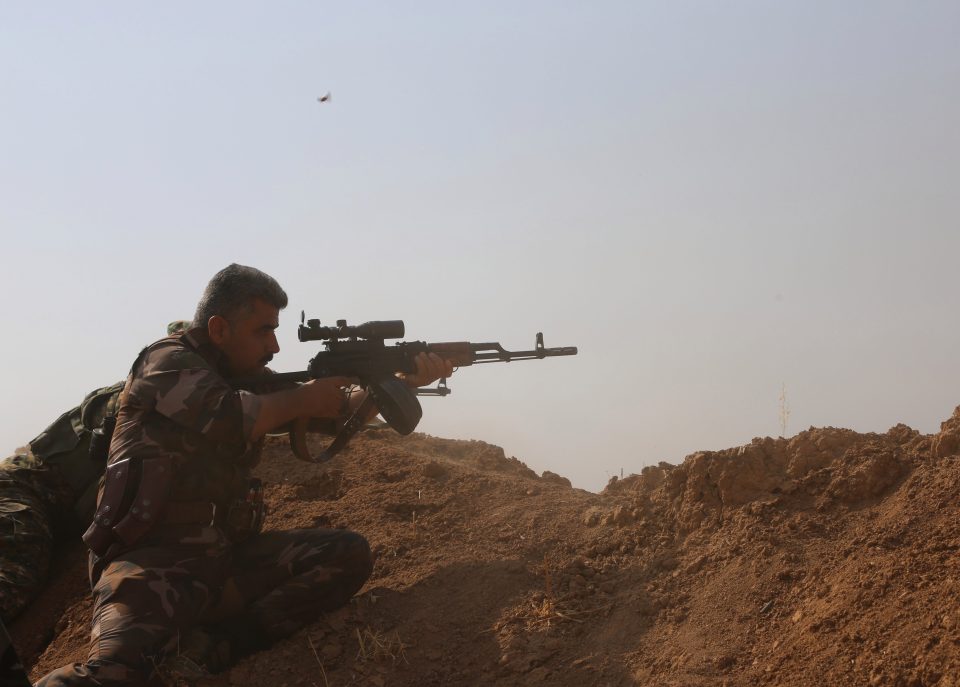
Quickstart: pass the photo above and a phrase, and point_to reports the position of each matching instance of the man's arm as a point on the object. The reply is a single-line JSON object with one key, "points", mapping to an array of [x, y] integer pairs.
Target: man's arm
{"points": [[317, 398], [326, 398]]}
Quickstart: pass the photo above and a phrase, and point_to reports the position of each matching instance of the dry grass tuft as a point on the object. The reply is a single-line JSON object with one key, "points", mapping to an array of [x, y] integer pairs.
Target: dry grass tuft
{"points": [[379, 646], [551, 607], [323, 673]]}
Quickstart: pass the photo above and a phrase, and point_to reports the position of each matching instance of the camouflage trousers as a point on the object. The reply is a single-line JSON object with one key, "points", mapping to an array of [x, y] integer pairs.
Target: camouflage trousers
{"points": [[264, 588], [12, 672], [29, 492]]}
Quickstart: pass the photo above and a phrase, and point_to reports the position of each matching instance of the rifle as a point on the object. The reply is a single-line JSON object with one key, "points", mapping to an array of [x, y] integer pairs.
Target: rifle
{"points": [[360, 352]]}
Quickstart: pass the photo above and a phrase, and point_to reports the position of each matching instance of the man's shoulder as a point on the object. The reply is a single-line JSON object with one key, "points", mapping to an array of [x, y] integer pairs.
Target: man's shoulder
{"points": [[170, 354]]}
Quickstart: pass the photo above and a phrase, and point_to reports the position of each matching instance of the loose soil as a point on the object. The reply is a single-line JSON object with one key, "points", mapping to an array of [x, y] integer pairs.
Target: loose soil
{"points": [[827, 558]]}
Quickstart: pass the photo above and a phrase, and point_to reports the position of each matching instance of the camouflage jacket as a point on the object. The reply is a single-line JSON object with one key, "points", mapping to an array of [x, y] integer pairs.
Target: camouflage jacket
{"points": [[177, 409]]}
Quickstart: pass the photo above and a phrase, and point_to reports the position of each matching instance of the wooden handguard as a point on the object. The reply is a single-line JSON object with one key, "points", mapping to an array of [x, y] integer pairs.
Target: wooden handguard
{"points": [[460, 353]]}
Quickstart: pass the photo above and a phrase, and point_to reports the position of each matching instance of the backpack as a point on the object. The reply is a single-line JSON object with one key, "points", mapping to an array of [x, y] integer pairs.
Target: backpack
{"points": [[65, 447]]}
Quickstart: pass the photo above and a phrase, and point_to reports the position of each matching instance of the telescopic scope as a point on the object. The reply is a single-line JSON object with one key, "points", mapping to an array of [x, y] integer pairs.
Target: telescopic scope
{"points": [[377, 329]]}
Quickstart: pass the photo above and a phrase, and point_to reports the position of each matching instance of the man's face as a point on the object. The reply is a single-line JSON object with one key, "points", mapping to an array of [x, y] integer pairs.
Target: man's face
{"points": [[248, 341]]}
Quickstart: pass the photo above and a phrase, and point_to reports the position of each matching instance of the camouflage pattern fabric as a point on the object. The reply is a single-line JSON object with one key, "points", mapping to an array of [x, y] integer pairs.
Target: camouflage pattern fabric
{"points": [[176, 406], [49, 493], [177, 402], [178, 327], [64, 447], [261, 590], [30, 494], [12, 673], [45, 493]]}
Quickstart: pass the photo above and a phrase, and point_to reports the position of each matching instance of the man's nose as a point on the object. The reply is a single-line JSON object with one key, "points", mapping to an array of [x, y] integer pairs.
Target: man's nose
{"points": [[274, 346]]}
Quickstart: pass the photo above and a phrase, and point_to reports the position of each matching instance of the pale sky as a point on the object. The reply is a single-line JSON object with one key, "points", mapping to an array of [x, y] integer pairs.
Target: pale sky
{"points": [[713, 200]]}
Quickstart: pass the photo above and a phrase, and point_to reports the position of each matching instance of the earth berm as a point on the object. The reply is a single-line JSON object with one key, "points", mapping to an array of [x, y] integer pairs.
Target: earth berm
{"points": [[830, 558]]}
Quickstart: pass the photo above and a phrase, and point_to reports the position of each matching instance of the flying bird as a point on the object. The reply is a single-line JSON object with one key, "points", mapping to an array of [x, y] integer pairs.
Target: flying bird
{"points": [[325, 98]]}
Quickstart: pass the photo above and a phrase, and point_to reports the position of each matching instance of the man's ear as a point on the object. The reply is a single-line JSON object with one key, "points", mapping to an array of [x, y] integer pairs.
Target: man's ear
{"points": [[218, 329]]}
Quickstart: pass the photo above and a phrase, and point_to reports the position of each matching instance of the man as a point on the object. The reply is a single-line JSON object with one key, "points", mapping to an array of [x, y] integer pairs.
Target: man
{"points": [[48, 493], [175, 540]]}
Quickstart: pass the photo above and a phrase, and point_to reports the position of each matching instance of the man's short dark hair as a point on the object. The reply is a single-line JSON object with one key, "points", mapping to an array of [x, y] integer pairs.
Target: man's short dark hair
{"points": [[232, 291]]}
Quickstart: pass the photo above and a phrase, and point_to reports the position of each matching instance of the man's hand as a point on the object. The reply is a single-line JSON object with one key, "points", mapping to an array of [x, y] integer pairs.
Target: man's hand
{"points": [[324, 397], [430, 368]]}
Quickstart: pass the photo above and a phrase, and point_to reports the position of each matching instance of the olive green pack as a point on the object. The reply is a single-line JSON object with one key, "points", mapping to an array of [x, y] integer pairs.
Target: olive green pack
{"points": [[65, 445]]}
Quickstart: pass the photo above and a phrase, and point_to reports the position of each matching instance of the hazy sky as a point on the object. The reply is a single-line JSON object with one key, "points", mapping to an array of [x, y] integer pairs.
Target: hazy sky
{"points": [[710, 199]]}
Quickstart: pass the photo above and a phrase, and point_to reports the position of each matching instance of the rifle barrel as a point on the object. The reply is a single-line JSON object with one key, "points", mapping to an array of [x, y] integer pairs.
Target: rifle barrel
{"points": [[510, 356]]}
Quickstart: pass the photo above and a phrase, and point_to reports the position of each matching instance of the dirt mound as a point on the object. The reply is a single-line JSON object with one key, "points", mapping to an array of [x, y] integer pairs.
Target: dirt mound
{"points": [[827, 558]]}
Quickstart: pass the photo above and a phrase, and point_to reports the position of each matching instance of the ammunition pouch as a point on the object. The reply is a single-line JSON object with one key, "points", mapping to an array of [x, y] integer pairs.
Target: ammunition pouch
{"points": [[134, 497]]}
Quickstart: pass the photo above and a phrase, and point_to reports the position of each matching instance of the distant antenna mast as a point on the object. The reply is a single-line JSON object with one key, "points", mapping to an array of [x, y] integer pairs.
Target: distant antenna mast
{"points": [[784, 410]]}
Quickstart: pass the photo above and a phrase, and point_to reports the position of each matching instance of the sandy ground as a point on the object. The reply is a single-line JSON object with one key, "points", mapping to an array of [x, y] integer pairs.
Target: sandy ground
{"points": [[827, 558]]}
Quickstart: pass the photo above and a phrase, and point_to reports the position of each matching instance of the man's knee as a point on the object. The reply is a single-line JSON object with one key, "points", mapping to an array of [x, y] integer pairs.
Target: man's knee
{"points": [[342, 550], [358, 559], [339, 556]]}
